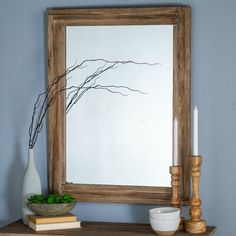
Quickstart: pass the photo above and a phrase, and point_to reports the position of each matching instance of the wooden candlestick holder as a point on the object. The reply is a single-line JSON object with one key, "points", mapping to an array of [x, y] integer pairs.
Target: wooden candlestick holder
{"points": [[195, 224], [175, 201], [175, 172]]}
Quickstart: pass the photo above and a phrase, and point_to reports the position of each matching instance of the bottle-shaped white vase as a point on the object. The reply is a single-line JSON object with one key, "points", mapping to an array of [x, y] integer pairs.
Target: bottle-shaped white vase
{"points": [[31, 185]]}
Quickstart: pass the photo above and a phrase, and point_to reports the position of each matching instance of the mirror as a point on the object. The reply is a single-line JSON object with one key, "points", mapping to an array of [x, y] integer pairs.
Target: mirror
{"points": [[106, 134], [117, 133]]}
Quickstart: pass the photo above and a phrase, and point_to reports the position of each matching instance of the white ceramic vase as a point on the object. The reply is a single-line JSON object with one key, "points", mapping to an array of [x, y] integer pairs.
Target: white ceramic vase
{"points": [[31, 185]]}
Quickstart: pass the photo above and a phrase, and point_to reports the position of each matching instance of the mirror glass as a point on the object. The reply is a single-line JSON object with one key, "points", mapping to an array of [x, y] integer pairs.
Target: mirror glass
{"points": [[114, 139]]}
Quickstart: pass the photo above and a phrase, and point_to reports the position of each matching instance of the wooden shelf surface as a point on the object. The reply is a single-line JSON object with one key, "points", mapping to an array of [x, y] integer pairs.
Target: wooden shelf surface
{"points": [[93, 229]]}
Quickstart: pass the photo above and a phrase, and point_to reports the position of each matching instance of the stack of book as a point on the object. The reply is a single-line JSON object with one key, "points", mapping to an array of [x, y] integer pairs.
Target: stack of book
{"points": [[40, 223]]}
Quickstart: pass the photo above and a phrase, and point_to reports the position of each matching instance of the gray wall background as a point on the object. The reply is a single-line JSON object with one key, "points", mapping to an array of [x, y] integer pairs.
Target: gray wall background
{"points": [[23, 76]]}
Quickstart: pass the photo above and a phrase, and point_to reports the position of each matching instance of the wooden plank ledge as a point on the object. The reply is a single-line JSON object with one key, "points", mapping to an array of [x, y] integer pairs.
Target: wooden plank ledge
{"points": [[93, 229]]}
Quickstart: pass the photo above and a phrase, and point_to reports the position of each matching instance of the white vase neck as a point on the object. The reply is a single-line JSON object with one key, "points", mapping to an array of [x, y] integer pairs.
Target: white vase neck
{"points": [[31, 151], [31, 158]]}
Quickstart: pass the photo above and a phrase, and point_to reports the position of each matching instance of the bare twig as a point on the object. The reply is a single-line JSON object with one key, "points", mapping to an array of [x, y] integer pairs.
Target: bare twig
{"points": [[74, 93]]}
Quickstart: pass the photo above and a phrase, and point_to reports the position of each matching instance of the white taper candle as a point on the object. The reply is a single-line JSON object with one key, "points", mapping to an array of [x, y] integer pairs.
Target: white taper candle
{"points": [[195, 131], [175, 151]]}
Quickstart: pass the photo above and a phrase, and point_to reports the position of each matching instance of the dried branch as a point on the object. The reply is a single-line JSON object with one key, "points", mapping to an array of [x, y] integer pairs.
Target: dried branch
{"points": [[74, 93]]}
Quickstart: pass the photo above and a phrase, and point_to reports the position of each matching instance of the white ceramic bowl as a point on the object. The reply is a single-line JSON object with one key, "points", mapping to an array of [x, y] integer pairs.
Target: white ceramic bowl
{"points": [[164, 213], [166, 226]]}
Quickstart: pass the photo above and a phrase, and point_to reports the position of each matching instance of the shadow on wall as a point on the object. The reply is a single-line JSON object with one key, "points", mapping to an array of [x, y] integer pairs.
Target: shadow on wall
{"points": [[140, 213], [14, 178], [116, 212]]}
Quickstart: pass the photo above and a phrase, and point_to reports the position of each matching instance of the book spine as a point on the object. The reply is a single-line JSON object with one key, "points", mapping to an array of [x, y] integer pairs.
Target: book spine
{"points": [[48, 220], [55, 226]]}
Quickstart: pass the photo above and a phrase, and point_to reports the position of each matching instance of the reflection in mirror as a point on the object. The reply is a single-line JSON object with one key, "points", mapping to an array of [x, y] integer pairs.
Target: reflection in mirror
{"points": [[121, 140]]}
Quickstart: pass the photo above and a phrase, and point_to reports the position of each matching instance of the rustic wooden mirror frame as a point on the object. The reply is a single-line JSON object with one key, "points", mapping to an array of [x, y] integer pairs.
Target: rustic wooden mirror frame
{"points": [[58, 19]]}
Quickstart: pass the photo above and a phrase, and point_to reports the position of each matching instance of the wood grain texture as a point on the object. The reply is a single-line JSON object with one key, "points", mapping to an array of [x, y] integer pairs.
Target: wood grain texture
{"points": [[58, 19], [181, 98], [94, 228], [175, 172], [175, 201], [56, 115], [119, 193], [195, 227], [195, 224]]}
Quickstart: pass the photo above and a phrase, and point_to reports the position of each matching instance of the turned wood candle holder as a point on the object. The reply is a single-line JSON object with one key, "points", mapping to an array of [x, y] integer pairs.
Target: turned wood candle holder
{"points": [[175, 172], [175, 201], [195, 224]]}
